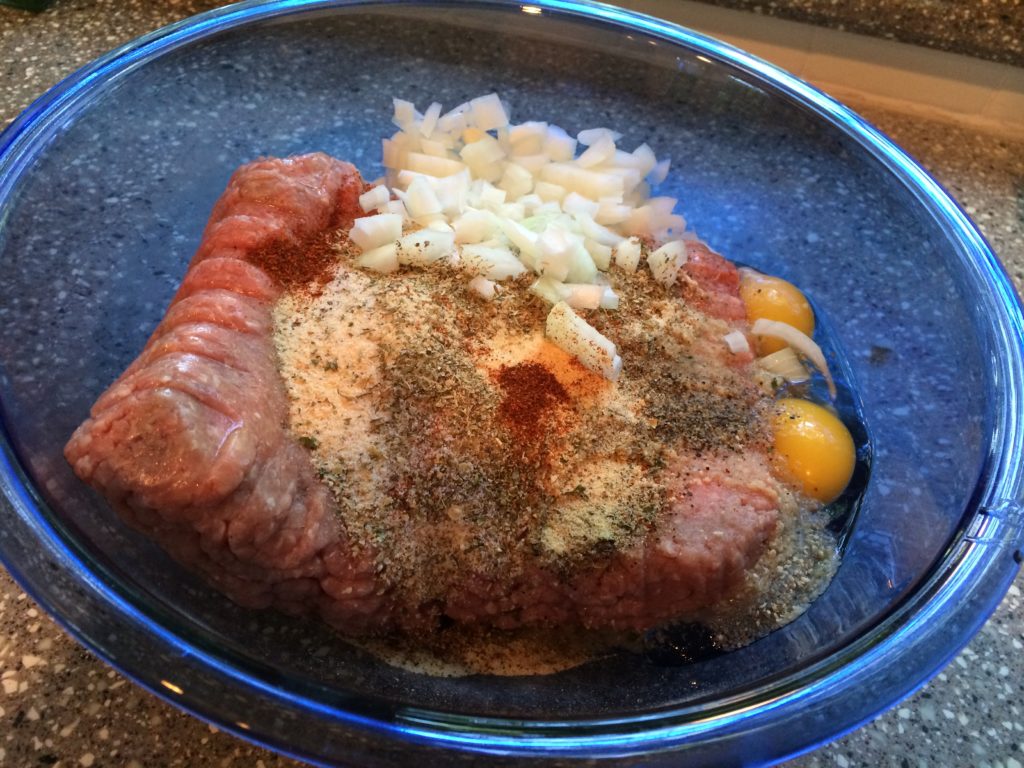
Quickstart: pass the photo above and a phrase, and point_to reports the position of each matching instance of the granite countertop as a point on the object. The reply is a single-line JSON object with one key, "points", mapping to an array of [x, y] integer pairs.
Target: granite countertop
{"points": [[59, 705], [992, 30]]}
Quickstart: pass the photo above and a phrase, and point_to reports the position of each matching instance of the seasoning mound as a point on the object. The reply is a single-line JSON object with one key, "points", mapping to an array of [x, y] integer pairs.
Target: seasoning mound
{"points": [[497, 481]]}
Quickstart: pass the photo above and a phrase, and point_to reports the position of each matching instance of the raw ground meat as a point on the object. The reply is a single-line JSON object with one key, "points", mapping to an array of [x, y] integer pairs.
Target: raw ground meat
{"points": [[191, 445]]}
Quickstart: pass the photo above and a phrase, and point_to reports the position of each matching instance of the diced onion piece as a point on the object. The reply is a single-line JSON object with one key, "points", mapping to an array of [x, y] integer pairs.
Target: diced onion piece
{"points": [[659, 173], [547, 289], [396, 207], [645, 160], [583, 295], [383, 259], [574, 335], [488, 113], [582, 268], [432, 165], [559, 145], [576, 295], [420, 200], [452, 192], [405, 114], [601, 254], [598, 152], [595, 231], [527, 138], [609, 298], [454, 121], [532, 163], [574, 202], [800, 342], [436, 148], [430, 118], [482, 287], [521, 238], [627, 254], [589, 183], [483, 194], [393, 154], [484, 157], [475, 226], [556, 247], [513, 211], [516, 180], [611, 212], [491, 261], [549, 192], [785, 364], [737, 342], [592, 136], [371, 232], [425, 246], [666, 262], [548, 207], [372, 199], [530, 202]]}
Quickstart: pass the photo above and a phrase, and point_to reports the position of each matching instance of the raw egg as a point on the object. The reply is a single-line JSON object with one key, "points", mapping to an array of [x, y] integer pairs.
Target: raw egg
{"points": [[814, 449], [772, 298]]}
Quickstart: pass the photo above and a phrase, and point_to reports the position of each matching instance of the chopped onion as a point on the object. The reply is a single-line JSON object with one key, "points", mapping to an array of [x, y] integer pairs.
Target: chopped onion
{"points": [[517, 198], [601, 254], [627, 254], [786, 364], [383, 259], [574, 335], [666, 262], [609, 298], [737, 342], [475, 226], [516, 180], [405, 114], [488, 112], [370, 232], [592, 136], [430, 120], [660, 172], [574, 202], [521, 238], [527, 138], [484, 157], [598, 152], [396, 207], [800, 342], [483, 287], [374, 198], [558, 145], [547, 191], [420, 200], [576, 295], [431, 165], [424, 246], [643, 157], [495, 262], [556, 247]]}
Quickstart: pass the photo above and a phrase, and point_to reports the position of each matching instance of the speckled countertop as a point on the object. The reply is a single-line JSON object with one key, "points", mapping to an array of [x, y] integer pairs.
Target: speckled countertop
{"points": [[59, 705], [992, 30]]}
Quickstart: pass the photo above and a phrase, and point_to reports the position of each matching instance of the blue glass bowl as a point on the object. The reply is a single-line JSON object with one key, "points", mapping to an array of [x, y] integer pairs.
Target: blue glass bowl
{"points": [[105, 184]]}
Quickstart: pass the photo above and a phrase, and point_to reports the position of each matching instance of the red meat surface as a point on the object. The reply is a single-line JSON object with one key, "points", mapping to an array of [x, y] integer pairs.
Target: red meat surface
{"points": [[191, 446]]}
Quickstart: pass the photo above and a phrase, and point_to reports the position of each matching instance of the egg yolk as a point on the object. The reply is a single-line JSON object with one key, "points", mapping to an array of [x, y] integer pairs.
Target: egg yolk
{"points": [[813, 447], [772, 298]]}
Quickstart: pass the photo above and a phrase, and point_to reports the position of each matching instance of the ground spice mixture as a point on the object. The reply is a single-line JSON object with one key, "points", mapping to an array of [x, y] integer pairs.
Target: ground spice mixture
{"points": [[426, 407], [457, 441]]}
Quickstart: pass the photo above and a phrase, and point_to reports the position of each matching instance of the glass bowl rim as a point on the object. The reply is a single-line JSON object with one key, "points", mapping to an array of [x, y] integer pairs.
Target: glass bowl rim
{"points": [[971, 577]]}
